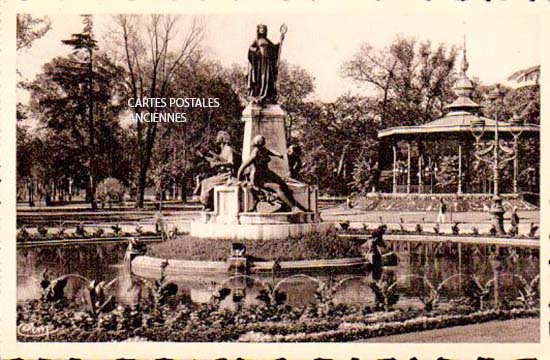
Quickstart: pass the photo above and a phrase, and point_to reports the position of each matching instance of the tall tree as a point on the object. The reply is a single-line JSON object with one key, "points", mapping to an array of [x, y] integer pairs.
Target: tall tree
{"points": [[525, 75], [332, 138], [175, 155], [528, 95], [412, 81], [59, 101], [30, 28], [151, 64], [522, 102], [86, 42], [295, 85]]}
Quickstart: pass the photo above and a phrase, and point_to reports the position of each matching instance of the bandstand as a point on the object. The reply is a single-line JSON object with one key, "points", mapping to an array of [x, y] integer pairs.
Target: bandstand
{"points": [[466, 136]]}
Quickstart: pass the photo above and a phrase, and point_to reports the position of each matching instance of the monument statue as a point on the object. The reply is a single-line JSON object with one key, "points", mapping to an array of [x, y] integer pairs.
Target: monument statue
{"points": [[223, 163], [265, 181], [263, 59], [268, 201]]}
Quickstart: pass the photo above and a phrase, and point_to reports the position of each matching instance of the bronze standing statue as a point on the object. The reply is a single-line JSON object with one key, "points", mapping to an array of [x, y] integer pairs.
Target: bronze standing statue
{"points": [[263, 58]]}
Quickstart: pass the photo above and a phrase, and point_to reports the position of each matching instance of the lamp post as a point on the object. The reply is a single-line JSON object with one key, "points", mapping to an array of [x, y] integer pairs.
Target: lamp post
{"points": [[402, 172], [431, 170], [419, 174], [516, 131], [496, 160]]}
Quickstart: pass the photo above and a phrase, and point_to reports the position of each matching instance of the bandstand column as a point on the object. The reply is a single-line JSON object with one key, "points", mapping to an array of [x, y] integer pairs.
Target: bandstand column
{"points": [[515, 175], [516, 166], [420, 173], [459, 190], [408, 167], [394, 183]]}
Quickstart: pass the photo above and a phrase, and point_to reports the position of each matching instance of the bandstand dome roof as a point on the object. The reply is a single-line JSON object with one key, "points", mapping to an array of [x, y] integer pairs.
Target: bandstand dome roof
{"points": [[457, 123], [461, 120]]}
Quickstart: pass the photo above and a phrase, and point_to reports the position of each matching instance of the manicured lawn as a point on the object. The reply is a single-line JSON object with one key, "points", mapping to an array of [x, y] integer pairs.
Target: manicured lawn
{"points": [[313, 246], [516, 330]]}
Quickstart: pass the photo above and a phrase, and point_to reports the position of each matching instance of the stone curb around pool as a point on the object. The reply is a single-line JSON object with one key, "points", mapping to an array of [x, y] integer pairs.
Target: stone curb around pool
{"points": [[472, 240], [146, 265]]}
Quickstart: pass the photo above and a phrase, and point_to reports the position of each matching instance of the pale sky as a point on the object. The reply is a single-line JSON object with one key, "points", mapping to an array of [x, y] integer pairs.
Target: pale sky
{"points": [[497, 46]]}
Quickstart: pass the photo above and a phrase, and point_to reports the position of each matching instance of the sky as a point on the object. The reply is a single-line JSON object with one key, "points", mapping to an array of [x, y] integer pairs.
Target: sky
{"points": [[497, 45]]}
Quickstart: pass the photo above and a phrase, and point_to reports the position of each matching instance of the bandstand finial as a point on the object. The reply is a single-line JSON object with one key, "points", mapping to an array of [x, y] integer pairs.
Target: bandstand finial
{"points": [[464, 88]]}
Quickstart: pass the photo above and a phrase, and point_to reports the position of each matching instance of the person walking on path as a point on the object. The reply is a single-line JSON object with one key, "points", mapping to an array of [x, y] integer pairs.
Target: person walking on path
{"points": [[442, 212]]}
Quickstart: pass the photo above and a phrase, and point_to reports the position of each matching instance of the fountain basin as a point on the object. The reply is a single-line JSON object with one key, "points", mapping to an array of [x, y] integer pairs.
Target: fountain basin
{"points": [[147, 266]]}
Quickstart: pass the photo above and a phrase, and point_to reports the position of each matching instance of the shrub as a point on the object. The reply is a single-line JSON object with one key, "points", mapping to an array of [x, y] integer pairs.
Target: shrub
{"points": [[42, 230], [174, 233], [327, 245], [23, 234], [110, 191], [345, 224], [323, 245], [456, 229], [401, 227], [80, 231], [150, 321], [61, 231], [533, 230], [116, 229], [99, 232]]}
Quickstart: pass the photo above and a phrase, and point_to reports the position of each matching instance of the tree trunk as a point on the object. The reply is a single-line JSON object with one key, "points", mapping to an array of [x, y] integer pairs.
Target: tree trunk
{"points": [[141, 187], [31, 189], [92, 135], [184, 190]]}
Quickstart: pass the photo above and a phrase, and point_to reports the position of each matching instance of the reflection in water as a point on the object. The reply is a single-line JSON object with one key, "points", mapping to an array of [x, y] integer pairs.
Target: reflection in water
{"points": [[95, 262], [448, 267]]}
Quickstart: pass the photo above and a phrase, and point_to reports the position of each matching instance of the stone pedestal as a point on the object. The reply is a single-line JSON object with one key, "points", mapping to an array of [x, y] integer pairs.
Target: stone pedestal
{"points": [[230, 220], [237, 264], [269, 121], [235, 215]]}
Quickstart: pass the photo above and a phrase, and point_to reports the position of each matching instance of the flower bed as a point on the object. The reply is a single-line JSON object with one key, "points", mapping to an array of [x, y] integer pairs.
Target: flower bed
{"points": [[44, 233], [345, 230], [354, 331], [430, 202], [209, 322]]}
